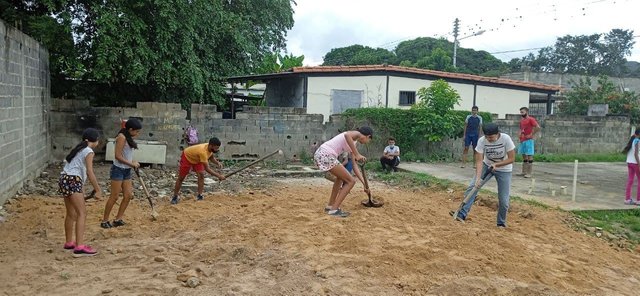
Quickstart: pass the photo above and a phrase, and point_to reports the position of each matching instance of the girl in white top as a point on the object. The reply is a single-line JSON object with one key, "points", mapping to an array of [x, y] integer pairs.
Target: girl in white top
{"points": [[326, 158], [120, 173], [633, 158], [78, 167]]}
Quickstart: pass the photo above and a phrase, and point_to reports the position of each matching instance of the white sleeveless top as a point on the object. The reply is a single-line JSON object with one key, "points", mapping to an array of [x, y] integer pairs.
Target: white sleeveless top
{"points": [[77, 166], [127, 153]]}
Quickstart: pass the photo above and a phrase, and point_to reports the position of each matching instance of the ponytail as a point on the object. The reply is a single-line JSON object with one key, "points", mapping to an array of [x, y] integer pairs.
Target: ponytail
{"points": [[75, 150], [630, 143], [89, 135], [134, 124]]}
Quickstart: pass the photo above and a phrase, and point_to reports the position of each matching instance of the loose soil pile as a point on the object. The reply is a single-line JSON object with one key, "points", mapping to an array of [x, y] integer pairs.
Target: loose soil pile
{"points": [[259, 236]]}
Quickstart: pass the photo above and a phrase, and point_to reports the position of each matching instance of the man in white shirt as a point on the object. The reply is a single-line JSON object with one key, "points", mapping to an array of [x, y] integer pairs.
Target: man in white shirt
{"points": [[391, 156], [495, 152]]}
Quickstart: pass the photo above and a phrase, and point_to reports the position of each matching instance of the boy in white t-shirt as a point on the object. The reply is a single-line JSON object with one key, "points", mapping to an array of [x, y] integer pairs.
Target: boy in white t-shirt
{"points": [[496, 152], [390, 156]]}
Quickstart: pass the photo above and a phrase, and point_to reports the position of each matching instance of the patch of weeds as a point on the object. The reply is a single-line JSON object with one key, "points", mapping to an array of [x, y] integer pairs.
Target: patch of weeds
{"points": [[305, 157], [275, 164], [408, 179], [65, 276], [623, 223]]}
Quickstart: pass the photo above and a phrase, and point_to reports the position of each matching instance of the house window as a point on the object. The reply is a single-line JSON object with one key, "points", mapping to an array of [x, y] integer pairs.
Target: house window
{"points": [[407, 98], [342, 100]]}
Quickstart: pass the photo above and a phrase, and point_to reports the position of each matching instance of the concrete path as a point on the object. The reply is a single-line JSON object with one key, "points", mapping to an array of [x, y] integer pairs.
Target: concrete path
{"points": [[600, 186]]}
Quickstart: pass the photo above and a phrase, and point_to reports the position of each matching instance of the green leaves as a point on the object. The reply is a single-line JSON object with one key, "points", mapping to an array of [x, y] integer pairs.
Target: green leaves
{"points": [[595, 54], [168, 50], [276, 62], [432, 118], [583, 94], [422, 52], [358, 55]]}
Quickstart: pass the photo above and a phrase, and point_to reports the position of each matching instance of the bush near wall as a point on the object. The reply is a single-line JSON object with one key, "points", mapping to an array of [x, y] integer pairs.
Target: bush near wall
{"points": [[412, 128]]}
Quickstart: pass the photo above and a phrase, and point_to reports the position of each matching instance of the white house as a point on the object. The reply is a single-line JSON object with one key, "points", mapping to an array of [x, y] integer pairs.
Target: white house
{"points": [[330, 90]]}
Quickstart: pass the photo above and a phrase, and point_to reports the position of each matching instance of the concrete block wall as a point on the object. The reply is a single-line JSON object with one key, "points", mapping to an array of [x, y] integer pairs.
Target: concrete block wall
{"points": [[160, 122], [559, 134], [24, 105], [253, 134], [567, 81], [261, 130], [573, 133]]}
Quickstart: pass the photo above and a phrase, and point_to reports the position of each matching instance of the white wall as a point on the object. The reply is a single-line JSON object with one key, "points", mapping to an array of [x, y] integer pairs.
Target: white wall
{"points": [[501, 101], [319, 91], [397, 84], [496, 100]]}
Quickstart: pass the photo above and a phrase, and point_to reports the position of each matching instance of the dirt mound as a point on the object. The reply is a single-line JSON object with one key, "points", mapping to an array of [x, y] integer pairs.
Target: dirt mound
{"points": [[276, 240]]}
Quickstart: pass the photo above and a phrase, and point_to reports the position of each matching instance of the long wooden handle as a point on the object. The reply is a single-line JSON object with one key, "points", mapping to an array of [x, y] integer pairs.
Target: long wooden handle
{"points": [[250, 164], [366, 182], [144, 187]]}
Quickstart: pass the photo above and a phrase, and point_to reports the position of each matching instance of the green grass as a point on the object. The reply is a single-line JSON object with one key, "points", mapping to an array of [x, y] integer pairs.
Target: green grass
{"points": [[406, 179], [581, 157], [617, 222]]}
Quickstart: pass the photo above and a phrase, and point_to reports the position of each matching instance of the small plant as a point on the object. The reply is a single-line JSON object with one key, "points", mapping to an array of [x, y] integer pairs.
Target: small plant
{"points": [[305, 157], [65, 276]]}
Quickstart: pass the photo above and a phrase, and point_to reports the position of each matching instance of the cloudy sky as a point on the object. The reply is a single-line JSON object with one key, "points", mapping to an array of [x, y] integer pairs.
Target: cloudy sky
{"points": [[321, 25]]}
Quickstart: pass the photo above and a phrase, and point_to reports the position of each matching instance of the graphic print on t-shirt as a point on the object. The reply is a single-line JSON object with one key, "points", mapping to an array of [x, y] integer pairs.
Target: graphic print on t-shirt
{"points": [[495, 152]]}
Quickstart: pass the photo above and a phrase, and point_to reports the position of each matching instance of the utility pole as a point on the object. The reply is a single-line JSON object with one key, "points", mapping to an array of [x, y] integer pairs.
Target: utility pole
{"points": [[456, 40], [456, 30]]}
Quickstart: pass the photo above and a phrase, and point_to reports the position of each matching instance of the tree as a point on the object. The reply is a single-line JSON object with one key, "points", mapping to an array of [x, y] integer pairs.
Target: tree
{"points": [[276, 62], [438, 60], [436, 54], [358, 55], [593, 54], [177, 50], [435, 119], [583, 94], [421, 47]]}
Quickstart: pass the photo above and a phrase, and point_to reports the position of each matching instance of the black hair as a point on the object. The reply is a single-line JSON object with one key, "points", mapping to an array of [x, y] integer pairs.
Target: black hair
{"points": [[215, 141], [367, 131], [490, 129], [525, 109], [134, 124], [89, 135], [630, 143], [474, 107]]}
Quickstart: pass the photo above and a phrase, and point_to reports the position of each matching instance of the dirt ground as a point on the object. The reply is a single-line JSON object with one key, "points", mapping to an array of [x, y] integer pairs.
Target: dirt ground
{"points": [[270, 237]]}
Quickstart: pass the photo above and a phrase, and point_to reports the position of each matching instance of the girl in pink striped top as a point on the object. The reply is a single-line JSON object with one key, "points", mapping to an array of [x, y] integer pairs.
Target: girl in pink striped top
{"points": [[326, 158]]}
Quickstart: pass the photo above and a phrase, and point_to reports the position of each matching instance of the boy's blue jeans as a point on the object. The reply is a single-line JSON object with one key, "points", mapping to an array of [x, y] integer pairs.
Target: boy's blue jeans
{"points": [[504, 186]]}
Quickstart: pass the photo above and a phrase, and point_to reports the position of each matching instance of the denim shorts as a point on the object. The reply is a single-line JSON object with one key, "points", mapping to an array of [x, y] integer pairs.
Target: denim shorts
{"points": [[119, 174]]}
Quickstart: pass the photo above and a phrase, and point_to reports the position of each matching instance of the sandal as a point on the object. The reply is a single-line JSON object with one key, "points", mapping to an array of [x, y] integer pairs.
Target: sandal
{"points": [[105, 224], [118, 223]]}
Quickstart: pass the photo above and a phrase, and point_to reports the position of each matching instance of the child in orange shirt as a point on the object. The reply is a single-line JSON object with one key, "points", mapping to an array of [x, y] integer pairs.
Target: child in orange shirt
{"points": [[197, 157]]}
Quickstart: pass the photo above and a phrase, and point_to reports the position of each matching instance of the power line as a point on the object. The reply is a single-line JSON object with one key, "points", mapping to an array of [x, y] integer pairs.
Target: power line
{"points": [[557, 11], [517, 50]]}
